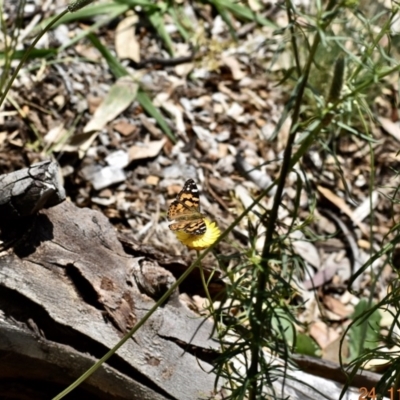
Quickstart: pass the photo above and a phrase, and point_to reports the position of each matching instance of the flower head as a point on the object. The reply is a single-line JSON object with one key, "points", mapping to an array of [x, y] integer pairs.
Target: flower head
{"points": [[200, 242]]}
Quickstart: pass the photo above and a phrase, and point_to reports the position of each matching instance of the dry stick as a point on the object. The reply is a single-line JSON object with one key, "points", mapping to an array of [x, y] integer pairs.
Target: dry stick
{"points": [[257, 326]]}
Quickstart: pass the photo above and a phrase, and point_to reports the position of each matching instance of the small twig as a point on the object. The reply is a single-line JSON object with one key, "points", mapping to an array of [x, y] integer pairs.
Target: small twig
{"points": [[357, 264], [166, 62]]}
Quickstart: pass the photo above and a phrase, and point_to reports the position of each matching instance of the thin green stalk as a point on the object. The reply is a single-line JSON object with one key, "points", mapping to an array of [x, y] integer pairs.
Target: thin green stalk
{"points": [[26, 55], [256, 324], [205, 286], [102, 360], [11, 44], [396, 385], [77, 5], [385, 30], [98, 364], [368, 82], [293, 39]]}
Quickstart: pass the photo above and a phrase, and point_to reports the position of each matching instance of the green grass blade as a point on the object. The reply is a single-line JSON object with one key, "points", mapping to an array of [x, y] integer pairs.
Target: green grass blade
{"points": [[242, 12], [225, 16], [116, 67], [92, 11], [147, 5], [78, 4], [35, 53], [146, 103], [156, 19], [93, 28], [178, 17]]}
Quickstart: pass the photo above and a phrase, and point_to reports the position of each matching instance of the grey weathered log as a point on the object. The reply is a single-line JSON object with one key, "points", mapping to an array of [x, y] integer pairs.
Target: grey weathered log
{"points": [[68, 289], [50, 364], [26, 191]]}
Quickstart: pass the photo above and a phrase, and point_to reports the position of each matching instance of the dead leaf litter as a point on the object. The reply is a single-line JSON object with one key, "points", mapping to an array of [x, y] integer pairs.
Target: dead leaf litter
{"points": [[222, 104]]}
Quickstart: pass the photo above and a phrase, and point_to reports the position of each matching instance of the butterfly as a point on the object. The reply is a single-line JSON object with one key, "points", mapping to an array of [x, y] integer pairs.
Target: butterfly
{"points": [[185, 211]]}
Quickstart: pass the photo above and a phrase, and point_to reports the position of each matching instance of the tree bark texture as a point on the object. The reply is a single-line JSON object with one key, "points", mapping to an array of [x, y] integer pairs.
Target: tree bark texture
{"points": [[68, 293]]}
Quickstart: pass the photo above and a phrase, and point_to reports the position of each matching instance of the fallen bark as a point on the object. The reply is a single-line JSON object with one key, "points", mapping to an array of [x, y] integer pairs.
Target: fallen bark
{"points": [[68, 293]]}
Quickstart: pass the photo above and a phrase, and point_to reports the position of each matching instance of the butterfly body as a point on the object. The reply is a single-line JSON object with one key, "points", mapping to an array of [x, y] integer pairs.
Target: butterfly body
{"points": [[185, 211]]}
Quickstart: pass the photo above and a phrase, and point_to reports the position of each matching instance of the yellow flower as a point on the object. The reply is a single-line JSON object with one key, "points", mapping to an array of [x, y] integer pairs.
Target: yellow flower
{"points": [[200, 242]]}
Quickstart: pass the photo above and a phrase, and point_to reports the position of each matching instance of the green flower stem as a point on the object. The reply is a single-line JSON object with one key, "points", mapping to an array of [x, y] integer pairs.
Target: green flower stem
{"points": [[205, 285], [77, 5], [97, 365], [385, 30], [256, 324]]}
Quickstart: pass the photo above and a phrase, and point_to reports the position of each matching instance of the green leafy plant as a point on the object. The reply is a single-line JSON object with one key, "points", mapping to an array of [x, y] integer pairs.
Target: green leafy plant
{"points": [[340, 63], [363, 334]]}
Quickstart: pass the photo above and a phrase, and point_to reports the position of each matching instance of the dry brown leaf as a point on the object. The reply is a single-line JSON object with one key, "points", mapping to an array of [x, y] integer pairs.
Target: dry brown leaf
{"points": [[152, 180], [125, 128], [323, 334], [336, 200], [126, 44], [342, 205], [337, 307], [93, 103], [155, 132], [305, 249], [145, 150], [392, 128], [321, 277], [89, 52], [233, 64], [3, 137], [183, 50], [333, 349], [118, 99], [55, 134], [365, 208]]}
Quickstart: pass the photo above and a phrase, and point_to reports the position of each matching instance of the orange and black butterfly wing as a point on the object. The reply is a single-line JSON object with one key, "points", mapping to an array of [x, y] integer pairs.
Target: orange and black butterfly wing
{"points": [[185, 210]]}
